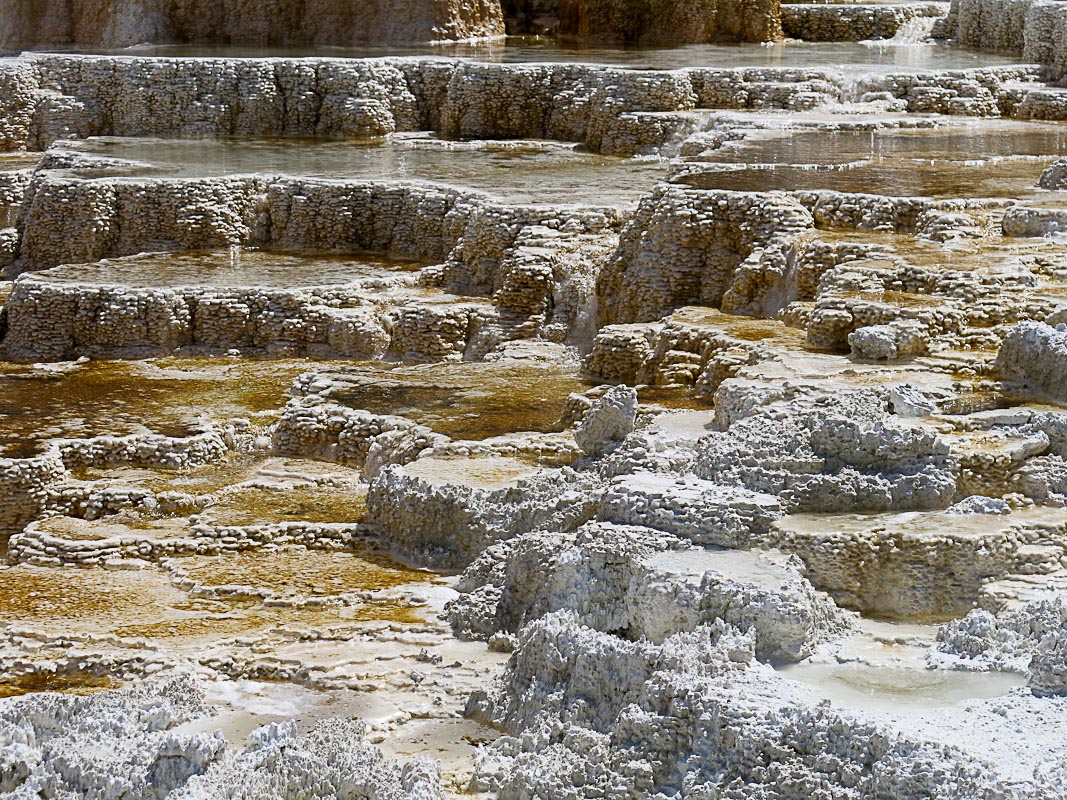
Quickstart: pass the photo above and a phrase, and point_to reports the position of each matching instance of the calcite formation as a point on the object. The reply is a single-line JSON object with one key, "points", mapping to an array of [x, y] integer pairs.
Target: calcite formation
{"points": [[670, 21], [817, 23], [1036, 29], [122, 23], [391, 422], [127, 742]]}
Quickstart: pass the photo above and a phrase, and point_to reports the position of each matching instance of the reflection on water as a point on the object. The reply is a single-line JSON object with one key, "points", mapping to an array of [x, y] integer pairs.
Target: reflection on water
{"points": [[981, 159], [1011, 179], [847, 56], [463, 400], [520, 172], [236, 268], [980, 140]]}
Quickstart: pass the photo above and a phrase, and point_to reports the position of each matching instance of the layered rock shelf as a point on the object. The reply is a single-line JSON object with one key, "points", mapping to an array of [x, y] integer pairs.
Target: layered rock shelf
{"points": [[662, 401], [121, 23]]}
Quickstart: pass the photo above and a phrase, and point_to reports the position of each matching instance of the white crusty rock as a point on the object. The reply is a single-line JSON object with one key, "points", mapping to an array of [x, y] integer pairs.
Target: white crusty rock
{"points": [[332, 760], [642, 583], [917, 564], [687, 246], [977, 504], [898, 339], [1036, 354], [108, 744], [1054, 176], [842, 453], [1048, 667], [314, 428], [758, 592], [589, 571], [609, 420], [445, 511], [125, 743], [1029, 639], [907, 401], [590, 714], [701, 511], [874, 342]]}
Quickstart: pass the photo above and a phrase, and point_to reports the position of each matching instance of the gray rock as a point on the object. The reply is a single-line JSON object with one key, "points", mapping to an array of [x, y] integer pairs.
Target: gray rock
{"points": [[609, 420]]}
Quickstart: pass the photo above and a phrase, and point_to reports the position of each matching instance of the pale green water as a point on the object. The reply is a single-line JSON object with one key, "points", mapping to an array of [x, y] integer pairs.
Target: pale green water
{"points": [[986, 158], [850, 57], [519, 172], [239, 267]]}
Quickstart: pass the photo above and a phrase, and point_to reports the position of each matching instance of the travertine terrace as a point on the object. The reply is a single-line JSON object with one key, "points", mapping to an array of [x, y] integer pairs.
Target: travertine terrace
{"points": [[536, 400]]}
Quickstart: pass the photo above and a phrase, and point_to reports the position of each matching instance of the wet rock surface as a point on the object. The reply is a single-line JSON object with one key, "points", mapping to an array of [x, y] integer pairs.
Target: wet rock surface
{"points": [[546, 423], [105, 23]]}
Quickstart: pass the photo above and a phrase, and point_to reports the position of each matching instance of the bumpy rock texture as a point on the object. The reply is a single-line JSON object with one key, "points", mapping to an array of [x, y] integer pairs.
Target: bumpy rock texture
{"points": [[122, 23], [1036, 29], [670, 21], [693, 715], [721, 592], [124, 743], [1036, 354]]}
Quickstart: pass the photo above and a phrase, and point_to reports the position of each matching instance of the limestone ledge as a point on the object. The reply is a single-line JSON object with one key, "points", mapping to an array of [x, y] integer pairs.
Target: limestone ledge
{"points": [[43, 543], [694, 346], [854, 23], [26, 482], [436, 517], [406, 219], [643, 583], [1036, 29], [684, 247], [913, 566], [57, 321], [609, 110], [32, 484], [315, 428], [109, 24], [1036, 354], [848, 452], [534, 266], [751, 253], [699, 511]]}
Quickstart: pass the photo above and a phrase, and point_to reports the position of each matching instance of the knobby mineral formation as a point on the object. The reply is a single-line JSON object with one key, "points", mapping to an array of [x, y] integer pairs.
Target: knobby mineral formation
{"points": [[402, 421]]}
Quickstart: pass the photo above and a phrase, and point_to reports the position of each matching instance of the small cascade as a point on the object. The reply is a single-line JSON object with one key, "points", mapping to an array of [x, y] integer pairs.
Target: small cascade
{"points": [[917, 30], [784, 291], [578, 290]]}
